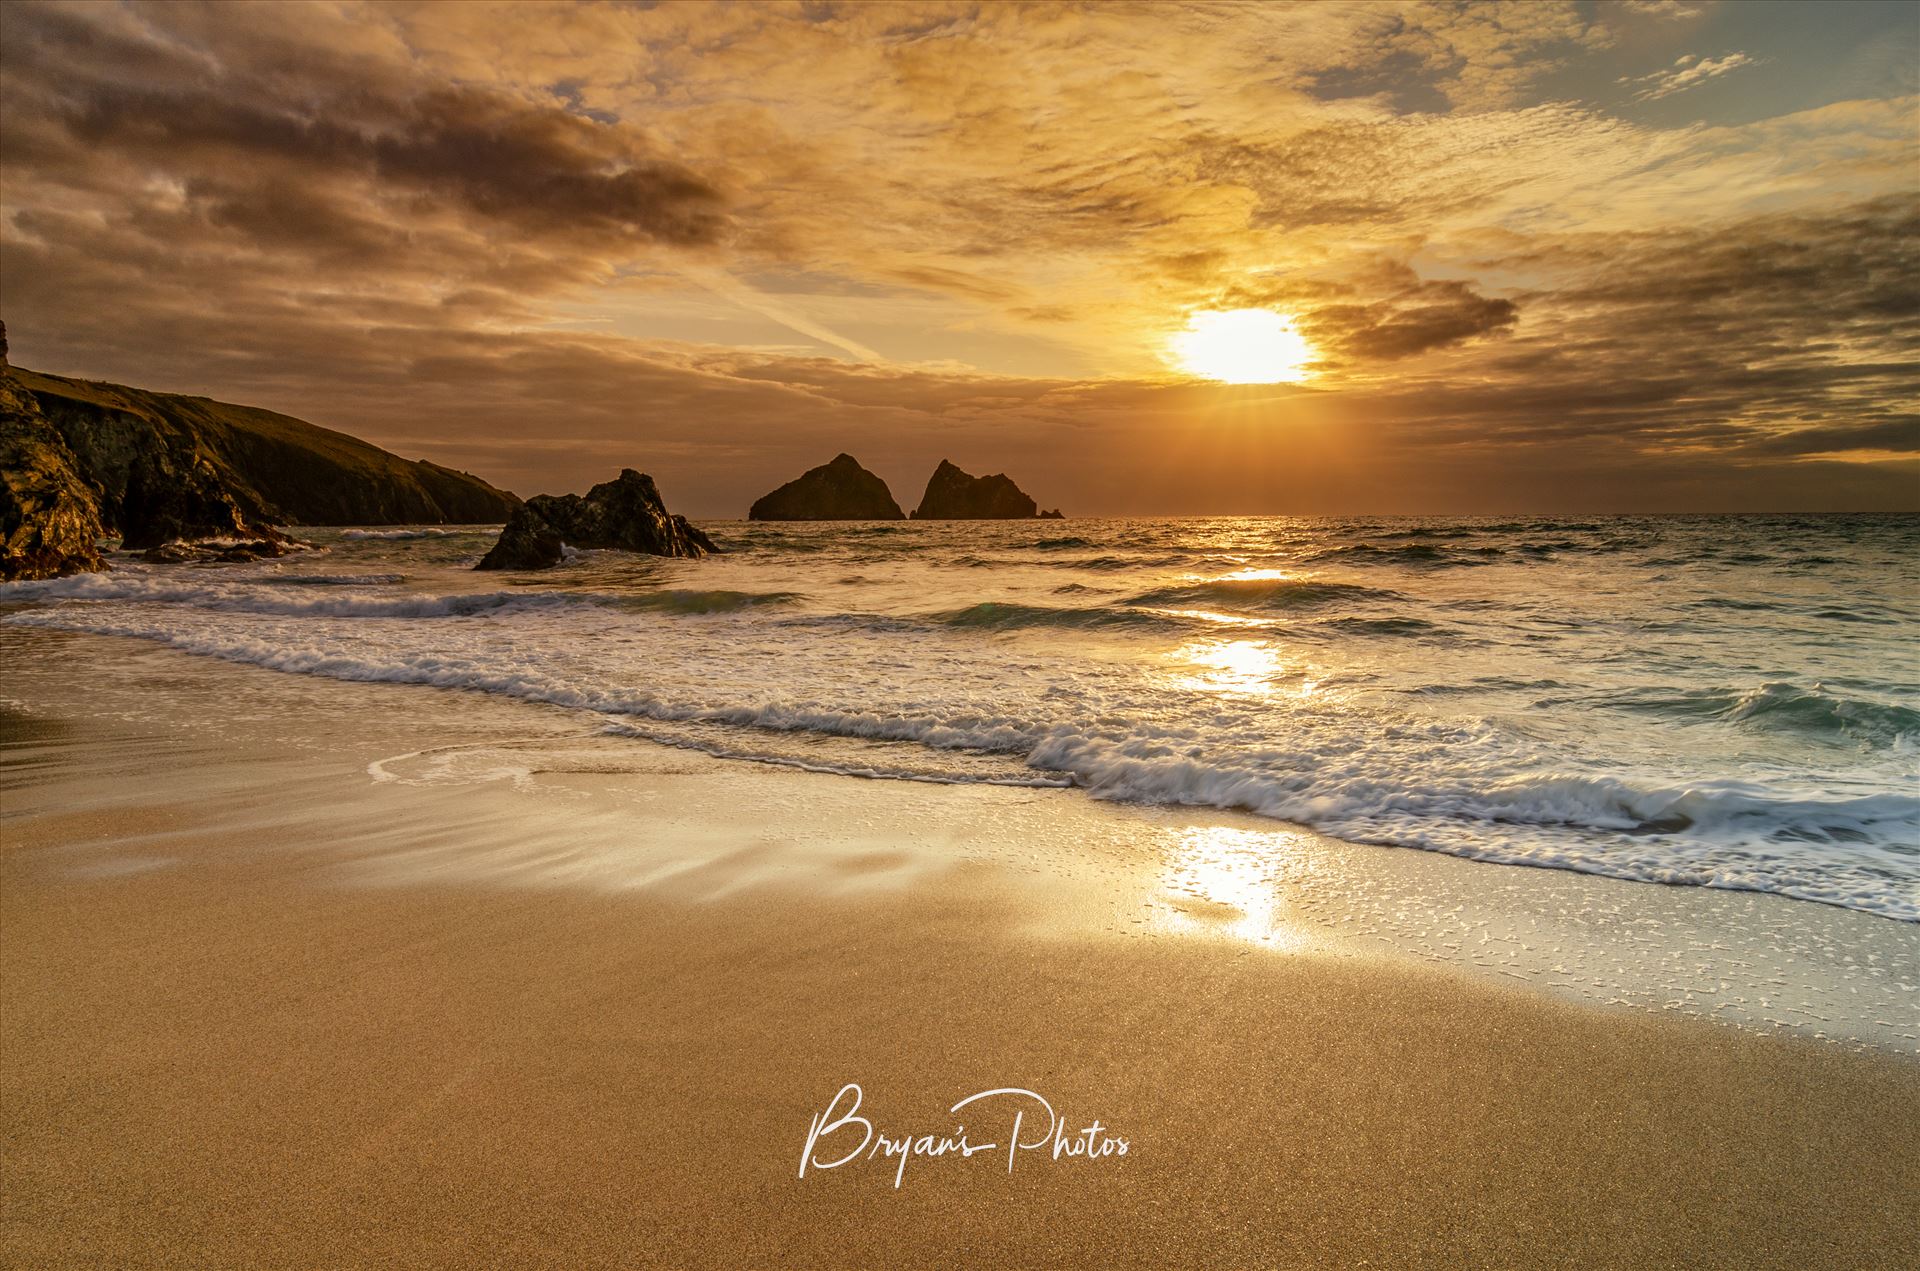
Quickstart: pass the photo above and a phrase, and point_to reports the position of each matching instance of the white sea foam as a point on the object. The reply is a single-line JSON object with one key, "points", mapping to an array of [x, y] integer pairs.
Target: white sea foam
{"points": [[399, 535], [1398, 704]]}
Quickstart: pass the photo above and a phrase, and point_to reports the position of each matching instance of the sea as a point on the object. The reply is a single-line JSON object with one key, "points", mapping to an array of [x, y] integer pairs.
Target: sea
{"points": [[1711, 701]]}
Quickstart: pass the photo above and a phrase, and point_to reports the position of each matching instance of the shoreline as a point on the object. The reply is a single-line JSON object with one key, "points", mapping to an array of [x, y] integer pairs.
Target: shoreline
{"points": [[1759, 960], [541, 1001]]}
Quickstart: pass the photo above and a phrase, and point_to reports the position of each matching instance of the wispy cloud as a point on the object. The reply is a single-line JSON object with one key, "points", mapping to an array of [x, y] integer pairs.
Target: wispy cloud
{"points": [[1687, 72], [1673, 9], [726, 286]]}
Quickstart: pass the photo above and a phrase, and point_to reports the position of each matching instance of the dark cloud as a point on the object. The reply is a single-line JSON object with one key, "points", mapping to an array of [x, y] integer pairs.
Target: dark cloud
{"points": [[89, 104], [1379, 310], [1894, 436], [1765, 325], [1429, 316]]}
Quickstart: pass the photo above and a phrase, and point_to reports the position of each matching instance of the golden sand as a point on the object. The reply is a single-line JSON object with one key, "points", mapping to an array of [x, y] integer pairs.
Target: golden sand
{"points": [[230, 1041]]}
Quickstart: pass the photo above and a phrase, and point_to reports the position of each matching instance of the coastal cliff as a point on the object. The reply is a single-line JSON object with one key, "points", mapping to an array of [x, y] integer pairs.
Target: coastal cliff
{"points": [[626, 514], [273, 468], [838, 491], [81, 460], [49, 522], [954, 495]]}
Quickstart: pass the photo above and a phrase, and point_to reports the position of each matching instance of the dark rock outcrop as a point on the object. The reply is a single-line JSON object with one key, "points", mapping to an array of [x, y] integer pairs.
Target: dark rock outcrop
{"points": [[625, 514], [179, 552], [272, 469], [953, 495], [49, 520], [837, 491], [178, 495]]}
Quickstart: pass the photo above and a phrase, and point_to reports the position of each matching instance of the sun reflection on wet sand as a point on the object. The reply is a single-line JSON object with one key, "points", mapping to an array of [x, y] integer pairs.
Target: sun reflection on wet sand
{"points": [[1223, 880]]}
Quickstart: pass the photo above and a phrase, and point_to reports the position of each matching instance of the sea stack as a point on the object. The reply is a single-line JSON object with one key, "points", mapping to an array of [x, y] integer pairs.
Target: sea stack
{"points": [[625, 514], [838, 491], [953, 495]]}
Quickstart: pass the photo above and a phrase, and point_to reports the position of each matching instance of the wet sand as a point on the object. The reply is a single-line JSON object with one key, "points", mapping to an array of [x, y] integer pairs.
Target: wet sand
{"points": [[263, 1011]]}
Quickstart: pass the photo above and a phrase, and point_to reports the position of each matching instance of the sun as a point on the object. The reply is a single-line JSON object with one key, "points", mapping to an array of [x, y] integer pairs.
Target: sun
{"points": [[1243, 346]]}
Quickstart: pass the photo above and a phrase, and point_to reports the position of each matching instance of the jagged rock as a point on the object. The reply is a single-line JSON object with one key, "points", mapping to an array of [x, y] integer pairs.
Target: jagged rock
{"points": [[180, 552], [1053, 514], [49, 518], [526, 542], [171, 496], [953, 495], [838, 491], [625, 514]]}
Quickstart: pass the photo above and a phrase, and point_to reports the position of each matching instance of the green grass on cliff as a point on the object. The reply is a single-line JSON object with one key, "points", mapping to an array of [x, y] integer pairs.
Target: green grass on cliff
{"points": [[309, 474]]}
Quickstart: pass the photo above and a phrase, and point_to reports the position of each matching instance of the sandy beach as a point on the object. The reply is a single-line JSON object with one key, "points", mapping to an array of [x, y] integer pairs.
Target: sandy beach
{"points": [[1246, 634], [264, 1008]]}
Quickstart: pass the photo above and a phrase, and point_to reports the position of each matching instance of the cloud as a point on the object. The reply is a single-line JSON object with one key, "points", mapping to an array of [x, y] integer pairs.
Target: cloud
{"points": [[724, 284], [725, 242], [1670, 9], [1892, 436], [1689, 71], [222, 138], [1419, 318]]}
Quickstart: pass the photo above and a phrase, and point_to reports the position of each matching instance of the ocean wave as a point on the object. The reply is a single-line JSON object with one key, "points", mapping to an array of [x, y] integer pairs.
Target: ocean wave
{"points": [[1438, 531], [1382, 626], [1814, 710], [1441, 787], [1114, 564], [330, 580], [1002, 615], [1721, 834], [1261, 593], [248, 596], [1435, 718], [1851, 615], [1737, 604], [403, 535], [1415, 554], [844, 768], [262, 595], [699, 602]]}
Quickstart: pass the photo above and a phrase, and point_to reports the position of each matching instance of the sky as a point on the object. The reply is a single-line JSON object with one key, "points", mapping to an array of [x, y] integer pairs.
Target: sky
{"points": [[1652, 255]]}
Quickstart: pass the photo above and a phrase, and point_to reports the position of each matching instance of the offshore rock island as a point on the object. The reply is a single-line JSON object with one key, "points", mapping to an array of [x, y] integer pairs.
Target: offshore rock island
{"points": [[954, 495], [841, 490], [625, 514]]}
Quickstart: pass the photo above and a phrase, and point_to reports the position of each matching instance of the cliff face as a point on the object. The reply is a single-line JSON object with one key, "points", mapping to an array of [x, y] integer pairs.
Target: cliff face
{"points": [[837, 491], [49, 524], [164, 466], [626, 513], [953, 495]]}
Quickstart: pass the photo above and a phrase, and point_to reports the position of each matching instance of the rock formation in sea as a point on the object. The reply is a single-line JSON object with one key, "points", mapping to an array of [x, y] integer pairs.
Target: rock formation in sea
{"points": [[174, 493], [838, 491], [626, 514], [49, 522], [953, 495], [158, 469]]}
